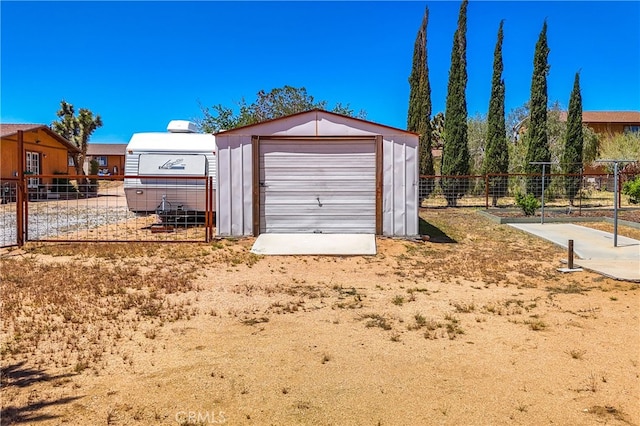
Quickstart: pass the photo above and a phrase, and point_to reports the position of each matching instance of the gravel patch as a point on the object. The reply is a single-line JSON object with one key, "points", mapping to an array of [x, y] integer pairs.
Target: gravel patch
{"points": [[59, 222]]}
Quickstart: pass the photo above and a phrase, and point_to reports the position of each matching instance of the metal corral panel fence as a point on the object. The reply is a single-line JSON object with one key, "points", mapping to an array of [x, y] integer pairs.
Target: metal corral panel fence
{"points": [[71, 208], [590, 190], [8, 215]]}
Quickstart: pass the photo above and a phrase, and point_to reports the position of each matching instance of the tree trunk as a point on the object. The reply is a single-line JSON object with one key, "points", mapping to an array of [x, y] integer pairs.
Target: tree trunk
{"points": [[83, 183]]}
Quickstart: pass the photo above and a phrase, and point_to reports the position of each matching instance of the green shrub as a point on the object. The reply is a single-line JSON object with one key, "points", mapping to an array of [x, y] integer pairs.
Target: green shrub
{"points": [[528, 203], [94, 168], [632, 189], [62, 184]]}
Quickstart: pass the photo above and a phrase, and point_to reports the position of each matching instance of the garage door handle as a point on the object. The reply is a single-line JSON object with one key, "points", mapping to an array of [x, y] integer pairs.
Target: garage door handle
{"points": [[319, 203]]}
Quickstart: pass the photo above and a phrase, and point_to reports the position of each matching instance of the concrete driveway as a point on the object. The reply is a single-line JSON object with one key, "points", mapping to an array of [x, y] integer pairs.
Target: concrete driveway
{"points": [[594, 248]]}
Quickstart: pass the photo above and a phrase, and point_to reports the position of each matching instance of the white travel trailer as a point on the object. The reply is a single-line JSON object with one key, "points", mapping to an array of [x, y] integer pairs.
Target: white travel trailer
{"points": [[165, 162]]}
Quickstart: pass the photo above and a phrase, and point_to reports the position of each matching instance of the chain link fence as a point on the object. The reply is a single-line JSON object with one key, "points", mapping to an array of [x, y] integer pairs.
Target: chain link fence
{"points": [[560, 190]]}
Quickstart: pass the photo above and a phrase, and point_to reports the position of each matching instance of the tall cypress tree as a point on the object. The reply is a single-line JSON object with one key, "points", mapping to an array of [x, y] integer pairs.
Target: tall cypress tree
{"points": [[455, 153], [538, 149], [496, 159], [419, 115], [573, 142]]}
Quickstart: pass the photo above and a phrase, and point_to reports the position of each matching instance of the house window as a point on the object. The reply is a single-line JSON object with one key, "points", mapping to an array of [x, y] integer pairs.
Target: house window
{"points": [[33, 168], [632, 129], [102, 161], [71, 162]]}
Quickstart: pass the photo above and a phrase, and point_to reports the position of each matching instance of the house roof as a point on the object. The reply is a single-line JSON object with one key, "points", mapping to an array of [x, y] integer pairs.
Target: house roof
{"points": [[315, 110], [106, 149], [622, 117], [11, 129]]}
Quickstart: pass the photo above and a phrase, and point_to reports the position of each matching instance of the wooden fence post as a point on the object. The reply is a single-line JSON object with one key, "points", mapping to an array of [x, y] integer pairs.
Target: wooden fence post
{"points": [[570, 255]]}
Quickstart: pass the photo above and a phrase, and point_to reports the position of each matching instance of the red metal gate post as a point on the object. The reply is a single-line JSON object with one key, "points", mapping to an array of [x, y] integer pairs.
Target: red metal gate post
{"points": [[20, 196], [206, 210], [486, 191], [209, 210]]}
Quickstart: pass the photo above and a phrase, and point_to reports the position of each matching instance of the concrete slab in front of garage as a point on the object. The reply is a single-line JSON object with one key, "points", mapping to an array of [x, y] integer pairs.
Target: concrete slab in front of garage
{"points": [[315, 244]]}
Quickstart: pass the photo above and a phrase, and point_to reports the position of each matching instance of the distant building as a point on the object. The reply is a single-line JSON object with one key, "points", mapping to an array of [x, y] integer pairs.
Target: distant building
{"points": [[45, 152], [110, 158], [609, 123], [603, 123]]}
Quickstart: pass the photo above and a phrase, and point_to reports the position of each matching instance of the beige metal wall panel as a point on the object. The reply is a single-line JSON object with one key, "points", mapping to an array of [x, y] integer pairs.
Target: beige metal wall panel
{"points": [[294, 125], [331, 125], [234, 186], [400, 186], [313, 123]]}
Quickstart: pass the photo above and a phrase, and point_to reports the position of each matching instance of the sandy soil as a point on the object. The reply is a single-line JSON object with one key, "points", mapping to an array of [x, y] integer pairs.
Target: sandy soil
{"points": [[481, 330]]}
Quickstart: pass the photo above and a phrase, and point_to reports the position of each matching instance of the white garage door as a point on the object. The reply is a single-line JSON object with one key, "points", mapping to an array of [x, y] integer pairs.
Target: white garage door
{"points": [[317, 186]]}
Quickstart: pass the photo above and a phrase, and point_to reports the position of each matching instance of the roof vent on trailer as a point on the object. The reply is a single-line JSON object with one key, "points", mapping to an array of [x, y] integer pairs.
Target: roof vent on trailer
{"points": [[182, 126]]}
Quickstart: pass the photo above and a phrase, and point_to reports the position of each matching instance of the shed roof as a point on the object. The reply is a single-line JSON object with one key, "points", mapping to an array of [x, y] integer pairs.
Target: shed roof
{"points": [[11, 129], [106, 149], [315, 113]]}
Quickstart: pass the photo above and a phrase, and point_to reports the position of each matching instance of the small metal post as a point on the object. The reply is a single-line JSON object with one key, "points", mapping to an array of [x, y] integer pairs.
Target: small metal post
{"points": [[615, 204], [615, 195], [542, 210], [543, 164], [570, 255]]}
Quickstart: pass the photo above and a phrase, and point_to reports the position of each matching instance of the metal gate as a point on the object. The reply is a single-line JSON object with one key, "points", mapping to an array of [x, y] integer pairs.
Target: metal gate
{"points": [[72, 208]]}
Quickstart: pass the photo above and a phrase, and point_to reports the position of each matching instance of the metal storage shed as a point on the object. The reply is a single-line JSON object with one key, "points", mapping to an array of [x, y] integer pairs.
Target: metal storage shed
{"points": [[317, 172]]}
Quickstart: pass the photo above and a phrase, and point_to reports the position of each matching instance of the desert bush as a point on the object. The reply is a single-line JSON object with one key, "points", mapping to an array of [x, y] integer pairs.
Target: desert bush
{"points": [[623, 146], [94, 168], [528, 203], [632, 189]]}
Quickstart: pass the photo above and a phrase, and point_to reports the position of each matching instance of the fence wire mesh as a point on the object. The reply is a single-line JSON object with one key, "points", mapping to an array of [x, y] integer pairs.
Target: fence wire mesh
{"points": [[8, 213], [560, 190], [83, 209], [75, 208]]}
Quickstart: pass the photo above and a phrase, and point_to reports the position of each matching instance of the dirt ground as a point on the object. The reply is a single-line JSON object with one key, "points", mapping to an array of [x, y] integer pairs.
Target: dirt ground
{"points": [[627, 214], [475, 327]]}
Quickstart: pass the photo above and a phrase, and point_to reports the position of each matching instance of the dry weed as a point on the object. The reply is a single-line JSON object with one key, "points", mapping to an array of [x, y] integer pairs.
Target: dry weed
{"points": [[69, 314]]}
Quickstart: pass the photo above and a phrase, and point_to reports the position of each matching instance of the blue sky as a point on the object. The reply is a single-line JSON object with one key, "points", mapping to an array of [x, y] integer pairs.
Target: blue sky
{"points": [[141, 64]]}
